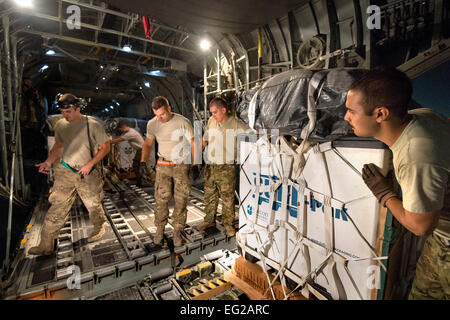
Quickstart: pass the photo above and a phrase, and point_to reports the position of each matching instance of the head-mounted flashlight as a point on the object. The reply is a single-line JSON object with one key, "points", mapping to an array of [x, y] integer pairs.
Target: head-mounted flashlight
{"points": [[68, 100]]}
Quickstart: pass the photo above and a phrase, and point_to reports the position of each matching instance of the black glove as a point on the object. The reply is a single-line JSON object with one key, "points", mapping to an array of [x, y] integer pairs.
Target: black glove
{"points": [[381, 187], [194, 172], [143, 169]]}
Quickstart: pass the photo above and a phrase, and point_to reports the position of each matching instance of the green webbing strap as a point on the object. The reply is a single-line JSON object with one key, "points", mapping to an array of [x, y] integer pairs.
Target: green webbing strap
{"points": [[72, 169], [68, 167]]}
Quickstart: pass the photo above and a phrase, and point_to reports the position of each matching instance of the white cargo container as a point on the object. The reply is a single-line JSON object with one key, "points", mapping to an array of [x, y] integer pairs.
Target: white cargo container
{"points": [[320, 227]]}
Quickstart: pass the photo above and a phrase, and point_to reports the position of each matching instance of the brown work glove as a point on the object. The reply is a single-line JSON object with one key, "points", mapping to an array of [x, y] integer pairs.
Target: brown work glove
{"points": [[381, 187]]}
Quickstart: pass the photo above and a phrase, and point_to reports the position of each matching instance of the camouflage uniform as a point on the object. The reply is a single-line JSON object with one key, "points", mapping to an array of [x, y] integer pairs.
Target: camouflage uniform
{"points": [[62, 195], [220, 181], [69, 184], [168, 178], [432, 280]]}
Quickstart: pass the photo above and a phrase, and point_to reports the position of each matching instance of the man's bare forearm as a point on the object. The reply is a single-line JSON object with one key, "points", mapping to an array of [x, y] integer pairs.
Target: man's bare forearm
{"points": [[194, 146], [396, 207], [146, 148], [421, 224], [117, 140], [55, 154]]}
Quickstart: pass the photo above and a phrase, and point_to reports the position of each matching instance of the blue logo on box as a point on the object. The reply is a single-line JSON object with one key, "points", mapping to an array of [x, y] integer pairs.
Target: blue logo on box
{"points": [[292, 200]]}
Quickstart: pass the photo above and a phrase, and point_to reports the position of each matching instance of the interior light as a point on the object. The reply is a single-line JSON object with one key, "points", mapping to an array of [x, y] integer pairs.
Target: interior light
{"points": [[156, 73], [111, 107], [147, 84], [44, 67], [126, 48], [24, 3], [205, 44], [50, 52]]}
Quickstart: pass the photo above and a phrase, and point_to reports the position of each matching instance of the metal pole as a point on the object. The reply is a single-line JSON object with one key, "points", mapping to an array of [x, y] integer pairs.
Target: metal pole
{"points": [[8, 66], [235, 78], [247, 73], [259, 53], [8, 230], [17, 92], [194, 107], [94, 44], [194, 101], [11, 190], [14, 122], [218, 70], [3, 132]]}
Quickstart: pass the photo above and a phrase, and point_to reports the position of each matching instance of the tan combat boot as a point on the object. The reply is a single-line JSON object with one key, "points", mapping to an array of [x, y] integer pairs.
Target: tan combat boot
{"points": [[45, 247], [177, 240], [231, 231], [97, 233], [157, 239], [204, 225]]}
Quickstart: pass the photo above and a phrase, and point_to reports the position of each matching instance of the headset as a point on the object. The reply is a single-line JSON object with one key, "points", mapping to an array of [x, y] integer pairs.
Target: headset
{"points": [[77, 102]]}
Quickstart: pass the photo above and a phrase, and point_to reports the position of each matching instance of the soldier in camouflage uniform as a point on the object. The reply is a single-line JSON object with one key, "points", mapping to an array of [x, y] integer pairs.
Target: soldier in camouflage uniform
{"points": [[220, 172], [168, 178], [174, 134], [76, 174], [432, 279], [377, 106]]}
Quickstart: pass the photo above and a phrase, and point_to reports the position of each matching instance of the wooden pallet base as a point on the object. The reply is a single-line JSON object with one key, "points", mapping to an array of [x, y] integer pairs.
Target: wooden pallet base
{"points": [[251, 279], [124, 175]]}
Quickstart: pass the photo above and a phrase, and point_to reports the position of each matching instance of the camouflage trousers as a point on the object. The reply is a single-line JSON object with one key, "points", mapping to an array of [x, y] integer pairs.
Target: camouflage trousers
{"points": [[432, 280], [136, 162], [64, 192], [168, 178], [220, 182]]}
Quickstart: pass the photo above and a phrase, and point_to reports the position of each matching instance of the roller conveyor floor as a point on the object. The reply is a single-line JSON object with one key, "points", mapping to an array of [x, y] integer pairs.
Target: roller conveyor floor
{"points": [[125, 255]]}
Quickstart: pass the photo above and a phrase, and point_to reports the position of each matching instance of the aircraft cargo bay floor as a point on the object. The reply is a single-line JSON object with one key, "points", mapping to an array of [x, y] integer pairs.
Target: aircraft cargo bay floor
{"points": [[122, 262]]}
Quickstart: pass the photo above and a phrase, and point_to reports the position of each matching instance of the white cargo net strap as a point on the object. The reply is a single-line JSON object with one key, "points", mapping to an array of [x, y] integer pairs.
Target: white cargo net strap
{"points": [[302, 243], [286, 169]]}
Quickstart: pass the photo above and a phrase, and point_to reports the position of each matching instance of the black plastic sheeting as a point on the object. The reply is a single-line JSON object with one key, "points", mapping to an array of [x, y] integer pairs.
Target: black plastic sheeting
{"points": [[282, 102]]}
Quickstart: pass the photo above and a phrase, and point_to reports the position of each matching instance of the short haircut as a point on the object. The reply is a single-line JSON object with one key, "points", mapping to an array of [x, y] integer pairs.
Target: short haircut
{"points": [[122, 123], [219, 102], [384, 87], [159, 102], [68, 100]]}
